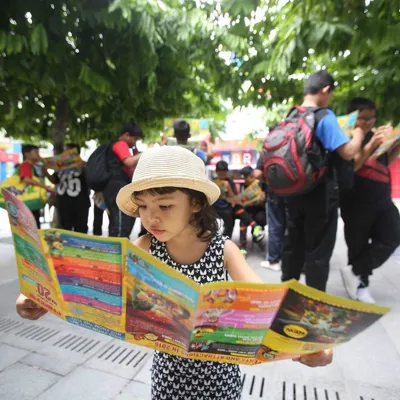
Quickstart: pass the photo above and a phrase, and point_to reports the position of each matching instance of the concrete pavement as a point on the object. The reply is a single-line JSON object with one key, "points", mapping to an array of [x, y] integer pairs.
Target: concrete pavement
{"points": [[50, 359]]}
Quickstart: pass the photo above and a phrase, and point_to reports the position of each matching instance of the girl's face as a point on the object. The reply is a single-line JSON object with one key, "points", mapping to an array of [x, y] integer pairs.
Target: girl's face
{"points": [[166, 216]]}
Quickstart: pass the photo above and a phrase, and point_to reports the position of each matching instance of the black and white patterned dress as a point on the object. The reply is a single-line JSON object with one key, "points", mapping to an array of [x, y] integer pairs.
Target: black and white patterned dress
{"points": [[177, 378]]}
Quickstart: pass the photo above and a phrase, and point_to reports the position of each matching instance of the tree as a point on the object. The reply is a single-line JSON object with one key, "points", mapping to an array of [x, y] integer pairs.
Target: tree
{"points": [[357, 41], [81, 68]]}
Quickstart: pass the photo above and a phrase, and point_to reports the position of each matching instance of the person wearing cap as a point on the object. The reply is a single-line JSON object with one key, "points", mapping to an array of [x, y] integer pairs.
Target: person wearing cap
{"points": [[175, 206], [123, 163]]}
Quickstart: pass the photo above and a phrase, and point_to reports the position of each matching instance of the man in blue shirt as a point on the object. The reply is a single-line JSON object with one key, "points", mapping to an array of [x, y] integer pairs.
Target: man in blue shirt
{"points": [[312, 217]]}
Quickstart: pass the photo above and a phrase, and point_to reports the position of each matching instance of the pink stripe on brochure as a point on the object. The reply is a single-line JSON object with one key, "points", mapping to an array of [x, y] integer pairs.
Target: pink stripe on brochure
{"points": [[73, 298], [236, 318]]}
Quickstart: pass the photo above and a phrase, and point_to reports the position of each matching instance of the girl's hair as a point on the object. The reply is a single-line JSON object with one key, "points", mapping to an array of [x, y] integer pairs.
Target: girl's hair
{"points": [[205, 220]]}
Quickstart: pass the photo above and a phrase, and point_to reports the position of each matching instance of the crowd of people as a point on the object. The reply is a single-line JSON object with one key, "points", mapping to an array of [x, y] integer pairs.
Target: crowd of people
{"points": [[178, 207], [301, 228]]}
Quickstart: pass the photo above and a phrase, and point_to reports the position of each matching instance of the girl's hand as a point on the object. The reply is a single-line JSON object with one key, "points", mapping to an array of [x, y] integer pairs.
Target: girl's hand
{"points": [[28, 309], [320, 359]]}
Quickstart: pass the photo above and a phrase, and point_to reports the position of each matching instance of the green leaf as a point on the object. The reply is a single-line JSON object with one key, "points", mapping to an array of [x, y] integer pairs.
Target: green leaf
{"points": [[94, 80], [38, 40], [3, 40], [260, 69]]}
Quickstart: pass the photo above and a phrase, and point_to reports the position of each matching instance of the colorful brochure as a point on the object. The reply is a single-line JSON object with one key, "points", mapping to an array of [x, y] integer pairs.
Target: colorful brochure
{"points": [[348, 122], [68, 160], [115, 288], [391, 140]]}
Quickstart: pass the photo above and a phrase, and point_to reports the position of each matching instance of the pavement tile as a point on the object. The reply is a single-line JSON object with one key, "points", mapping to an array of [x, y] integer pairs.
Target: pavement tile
{"points": [[10, 355], [56, 365], [23, 382], [135, 391], [85, 384]]}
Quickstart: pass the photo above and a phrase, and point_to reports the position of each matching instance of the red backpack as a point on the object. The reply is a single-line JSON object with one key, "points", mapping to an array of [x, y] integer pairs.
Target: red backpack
{"points": [[294, 160]]}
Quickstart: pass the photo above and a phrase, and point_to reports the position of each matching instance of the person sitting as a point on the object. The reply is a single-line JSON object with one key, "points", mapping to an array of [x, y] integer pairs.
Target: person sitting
{"points": [[222, 206], [256, 206]]}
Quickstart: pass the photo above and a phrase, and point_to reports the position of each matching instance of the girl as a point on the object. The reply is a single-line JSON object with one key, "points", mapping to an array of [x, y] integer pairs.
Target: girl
{"points": [[172, 196]]}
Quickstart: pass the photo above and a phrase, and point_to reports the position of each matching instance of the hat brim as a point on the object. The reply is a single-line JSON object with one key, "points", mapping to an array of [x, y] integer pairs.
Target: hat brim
{"points": [[126, 201]]}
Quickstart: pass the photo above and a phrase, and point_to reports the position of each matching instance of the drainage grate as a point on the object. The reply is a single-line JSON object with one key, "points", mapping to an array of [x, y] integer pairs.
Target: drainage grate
{"points": [[37, 333], [7, 325], [121, 359], [291, 391], [123, 355], [79, 344], [258, 387]]}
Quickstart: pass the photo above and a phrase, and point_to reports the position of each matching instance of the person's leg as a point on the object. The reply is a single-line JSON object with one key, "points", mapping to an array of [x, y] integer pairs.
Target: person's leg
{"points": [[98, 220], [358, 221], [321, 216], [226, 214], [260, 217], [65, 217], [120, 224], [318, 255], [257, 227], [81, 220], [245, 221], [276, 211], [385, 238], [293, 252], [127, 224], [36, 215]]}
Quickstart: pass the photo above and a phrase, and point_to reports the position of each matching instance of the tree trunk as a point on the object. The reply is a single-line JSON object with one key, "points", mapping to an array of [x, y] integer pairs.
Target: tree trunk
{"points": [[60, 124]]}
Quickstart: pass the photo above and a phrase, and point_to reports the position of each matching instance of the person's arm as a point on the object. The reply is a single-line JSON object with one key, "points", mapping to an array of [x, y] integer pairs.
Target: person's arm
{"points": [[259, 171], [258, 174], [32, 182], [333, 138], [51, 178], [230, 192], [394, 153], [143, 242], [239, 270], [25, 174], [131, 161], [350, 149], [121, 150], [365, 153], [28, 309]]}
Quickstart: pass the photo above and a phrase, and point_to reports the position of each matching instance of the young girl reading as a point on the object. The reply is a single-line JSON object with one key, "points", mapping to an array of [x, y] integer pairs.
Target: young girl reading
{"points": [[172, 196]]}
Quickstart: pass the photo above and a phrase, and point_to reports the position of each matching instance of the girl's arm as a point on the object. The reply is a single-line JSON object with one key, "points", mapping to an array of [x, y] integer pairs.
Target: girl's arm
{"points": [[237, 266], [239, 270], [143, 242]]}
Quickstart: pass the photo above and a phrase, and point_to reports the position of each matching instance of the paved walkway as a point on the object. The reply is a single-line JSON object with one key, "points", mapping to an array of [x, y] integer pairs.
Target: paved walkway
{"points": [[50, 359]]}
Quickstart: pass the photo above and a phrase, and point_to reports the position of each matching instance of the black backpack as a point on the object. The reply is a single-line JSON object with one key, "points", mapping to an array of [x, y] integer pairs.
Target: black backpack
{"points": [[294, 161], [98, 172], [103, 165]]}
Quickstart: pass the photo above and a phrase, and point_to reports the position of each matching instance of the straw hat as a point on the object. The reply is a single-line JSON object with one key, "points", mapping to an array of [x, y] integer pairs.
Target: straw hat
{"points": [[167, 166]]}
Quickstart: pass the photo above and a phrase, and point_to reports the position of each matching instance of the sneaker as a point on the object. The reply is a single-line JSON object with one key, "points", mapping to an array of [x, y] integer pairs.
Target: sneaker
{"points": [[244, 252], [351, 282], [258, 233], [364, 296], [274, 266]]}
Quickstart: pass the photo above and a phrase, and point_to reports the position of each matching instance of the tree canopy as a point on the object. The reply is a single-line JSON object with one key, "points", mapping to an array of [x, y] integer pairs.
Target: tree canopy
{"points": [[357, 41], [82, 68]]}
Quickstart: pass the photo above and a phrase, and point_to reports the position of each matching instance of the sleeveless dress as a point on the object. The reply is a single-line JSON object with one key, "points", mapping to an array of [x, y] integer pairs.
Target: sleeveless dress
{"points": [[177, 378]]}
